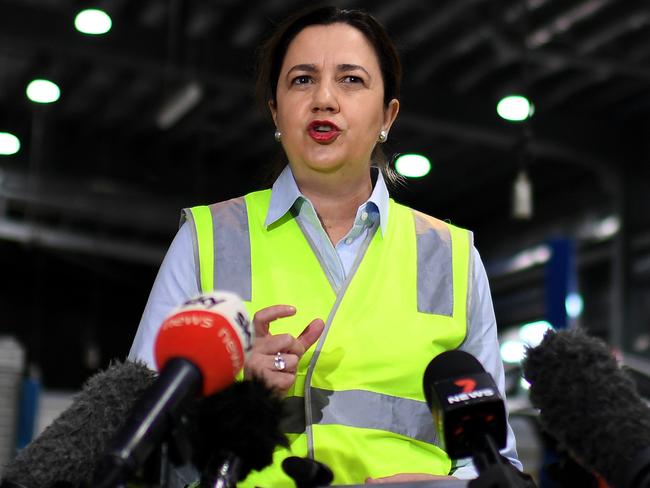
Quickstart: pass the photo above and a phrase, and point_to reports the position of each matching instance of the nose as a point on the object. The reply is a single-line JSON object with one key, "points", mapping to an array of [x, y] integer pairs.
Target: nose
{"points": [[325, 99]]}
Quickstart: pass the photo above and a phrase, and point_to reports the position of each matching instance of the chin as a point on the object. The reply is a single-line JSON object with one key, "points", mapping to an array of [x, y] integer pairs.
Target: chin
{"points": [[324, 161], [325, 166]]}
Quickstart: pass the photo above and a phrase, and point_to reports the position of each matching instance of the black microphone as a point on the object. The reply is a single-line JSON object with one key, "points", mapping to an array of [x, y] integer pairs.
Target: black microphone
{"points": [[65, 453], [591, 406], [470, 418], [236, 431], [307, 473], [465, 403]]}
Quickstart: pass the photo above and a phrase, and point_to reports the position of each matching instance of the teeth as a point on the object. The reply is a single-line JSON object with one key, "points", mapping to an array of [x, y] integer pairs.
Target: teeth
{"points": [[323, 128]]}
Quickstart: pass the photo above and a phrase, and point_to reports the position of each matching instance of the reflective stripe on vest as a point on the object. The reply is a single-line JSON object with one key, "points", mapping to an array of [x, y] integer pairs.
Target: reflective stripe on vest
{"points": [[221, 234], [352, 407], [374, 399]]}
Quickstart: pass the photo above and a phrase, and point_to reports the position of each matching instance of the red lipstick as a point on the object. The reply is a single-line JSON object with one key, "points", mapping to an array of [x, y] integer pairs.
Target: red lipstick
{"points": [[323, 131]]}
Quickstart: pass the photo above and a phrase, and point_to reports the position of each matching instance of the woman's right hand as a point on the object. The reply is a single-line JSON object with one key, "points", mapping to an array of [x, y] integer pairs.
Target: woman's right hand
{"points": [[261, 361]]}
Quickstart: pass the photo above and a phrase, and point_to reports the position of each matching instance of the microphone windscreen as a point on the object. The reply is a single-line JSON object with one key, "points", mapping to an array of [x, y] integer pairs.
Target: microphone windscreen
{"points": [[213, 332], [588, 403], [448, 365], [243, 420], [66, 452]]}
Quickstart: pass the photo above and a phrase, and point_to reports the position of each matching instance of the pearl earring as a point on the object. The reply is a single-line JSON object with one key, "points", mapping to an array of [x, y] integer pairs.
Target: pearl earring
{"points": [[277, 135], [383, 136]]}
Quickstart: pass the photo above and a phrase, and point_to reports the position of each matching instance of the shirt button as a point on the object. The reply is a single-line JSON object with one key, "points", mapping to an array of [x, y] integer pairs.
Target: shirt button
{"points": [[364, 215], [348, 241]]}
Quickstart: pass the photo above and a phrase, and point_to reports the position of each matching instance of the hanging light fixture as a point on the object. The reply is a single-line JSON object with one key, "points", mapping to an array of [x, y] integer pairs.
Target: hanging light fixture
{"points": [[522, 196]]}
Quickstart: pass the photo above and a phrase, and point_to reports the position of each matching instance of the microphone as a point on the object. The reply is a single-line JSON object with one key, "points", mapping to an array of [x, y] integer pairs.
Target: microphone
{"points": [[66, 452], [237, 431], [466, 405], [470, 418], [307, 473], [200, 348], [591, 406]]}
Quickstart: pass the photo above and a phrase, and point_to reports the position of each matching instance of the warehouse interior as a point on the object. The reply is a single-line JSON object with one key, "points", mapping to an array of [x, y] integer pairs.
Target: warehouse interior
{"points": [[159, 114]]}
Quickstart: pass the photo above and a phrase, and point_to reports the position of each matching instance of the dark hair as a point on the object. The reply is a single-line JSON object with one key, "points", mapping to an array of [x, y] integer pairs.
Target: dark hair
{"points": [[273, 51]]}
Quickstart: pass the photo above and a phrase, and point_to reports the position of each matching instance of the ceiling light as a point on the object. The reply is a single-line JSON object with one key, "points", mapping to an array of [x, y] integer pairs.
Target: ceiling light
{"points": [[412, 165], [607, 227], [533, 332], [513, 352], [9, 144], [43, 91], [574, 305], [93, 21], [522, 197], [515, 108]]}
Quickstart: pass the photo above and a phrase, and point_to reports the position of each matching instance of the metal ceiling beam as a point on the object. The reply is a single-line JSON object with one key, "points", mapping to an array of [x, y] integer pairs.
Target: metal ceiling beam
{"points": [[112, 204], [541, 145], [437, 21], [574, 14], [553, 61], [85, 243], [564, 91]]}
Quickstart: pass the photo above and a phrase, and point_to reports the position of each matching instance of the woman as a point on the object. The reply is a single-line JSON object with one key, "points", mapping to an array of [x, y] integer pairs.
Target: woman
{"points": [[352, 294]]}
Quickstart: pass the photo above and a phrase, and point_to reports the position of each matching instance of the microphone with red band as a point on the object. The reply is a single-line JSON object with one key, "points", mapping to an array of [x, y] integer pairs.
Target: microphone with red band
{"points": [[200, 348], [212, 332]]}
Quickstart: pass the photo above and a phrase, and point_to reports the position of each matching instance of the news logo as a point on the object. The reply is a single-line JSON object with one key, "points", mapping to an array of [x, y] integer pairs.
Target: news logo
{"points": [[470, 389]]}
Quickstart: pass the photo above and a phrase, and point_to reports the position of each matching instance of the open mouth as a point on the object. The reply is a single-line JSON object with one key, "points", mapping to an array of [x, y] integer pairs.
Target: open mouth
{"points": [[323, 131]]}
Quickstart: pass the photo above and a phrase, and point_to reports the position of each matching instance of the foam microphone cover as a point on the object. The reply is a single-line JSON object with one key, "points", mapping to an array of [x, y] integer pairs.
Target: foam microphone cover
{"points": [[66, 452], [590, 405], [242, 420]]}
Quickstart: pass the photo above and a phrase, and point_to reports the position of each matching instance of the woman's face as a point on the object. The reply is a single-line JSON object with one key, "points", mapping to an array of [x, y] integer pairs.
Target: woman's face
{"points": [[330, 100]]}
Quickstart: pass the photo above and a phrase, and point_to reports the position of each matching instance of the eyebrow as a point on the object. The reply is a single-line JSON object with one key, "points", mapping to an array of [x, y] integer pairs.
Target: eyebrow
{"points": [[352, 67], [311, 68]]}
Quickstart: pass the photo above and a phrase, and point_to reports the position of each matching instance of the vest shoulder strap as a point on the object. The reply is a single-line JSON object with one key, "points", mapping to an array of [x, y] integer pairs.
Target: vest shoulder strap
{"points": [[200, 220], [444, 265], [222, 246]]}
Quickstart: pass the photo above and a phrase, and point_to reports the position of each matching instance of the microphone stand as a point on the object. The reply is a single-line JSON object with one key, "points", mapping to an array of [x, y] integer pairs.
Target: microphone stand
{"points": [[224, 474], [494, 470]]}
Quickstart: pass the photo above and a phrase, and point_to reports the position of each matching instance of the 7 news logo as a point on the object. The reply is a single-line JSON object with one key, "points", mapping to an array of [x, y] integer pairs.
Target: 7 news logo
{"points": [[468, 391]]}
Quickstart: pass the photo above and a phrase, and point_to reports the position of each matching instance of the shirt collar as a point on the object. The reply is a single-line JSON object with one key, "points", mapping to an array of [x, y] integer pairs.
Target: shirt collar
{"points": [[285, 192]]}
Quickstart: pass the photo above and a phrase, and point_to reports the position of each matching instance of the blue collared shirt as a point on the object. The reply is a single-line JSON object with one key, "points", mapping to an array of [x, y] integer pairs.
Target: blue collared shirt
{"points": [[176, 281], [338, 259]]}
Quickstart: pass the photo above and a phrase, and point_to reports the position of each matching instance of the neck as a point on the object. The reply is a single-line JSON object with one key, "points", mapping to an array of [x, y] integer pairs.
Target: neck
{"points": [[336, 199]]}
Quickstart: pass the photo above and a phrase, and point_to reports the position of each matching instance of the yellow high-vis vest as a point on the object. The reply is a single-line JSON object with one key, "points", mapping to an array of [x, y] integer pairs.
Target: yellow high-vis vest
{"points": [[357, 404]]}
